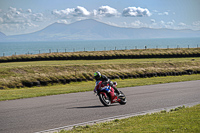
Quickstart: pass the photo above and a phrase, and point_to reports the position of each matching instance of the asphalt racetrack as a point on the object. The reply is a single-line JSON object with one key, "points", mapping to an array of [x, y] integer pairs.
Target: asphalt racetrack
{"points": [[43, 113]]}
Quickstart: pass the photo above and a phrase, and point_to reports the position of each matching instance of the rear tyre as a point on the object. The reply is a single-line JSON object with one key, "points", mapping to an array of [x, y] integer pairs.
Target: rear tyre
{"points": [[105, 101], [122, 98]]}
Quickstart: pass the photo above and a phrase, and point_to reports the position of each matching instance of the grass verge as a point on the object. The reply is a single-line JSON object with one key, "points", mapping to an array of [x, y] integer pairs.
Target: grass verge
{"points": [[178, 120], [29, 74], [111, 54], [10, 94]]}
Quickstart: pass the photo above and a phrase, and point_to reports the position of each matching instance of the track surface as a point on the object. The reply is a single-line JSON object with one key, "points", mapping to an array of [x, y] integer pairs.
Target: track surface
{"points": [[42, 113]]}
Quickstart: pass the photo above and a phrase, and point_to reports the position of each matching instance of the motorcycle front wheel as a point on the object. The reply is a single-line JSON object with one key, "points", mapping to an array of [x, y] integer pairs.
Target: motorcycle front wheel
{"points": [[123, 99], [104, 100]]}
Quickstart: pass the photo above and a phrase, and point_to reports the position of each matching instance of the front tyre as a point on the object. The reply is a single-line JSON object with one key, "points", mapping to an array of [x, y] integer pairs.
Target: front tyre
{"points": [[104, 100], [122, 98]]}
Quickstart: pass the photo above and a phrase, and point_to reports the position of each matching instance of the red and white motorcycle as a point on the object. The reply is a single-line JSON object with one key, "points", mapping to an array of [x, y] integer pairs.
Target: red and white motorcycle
{"points": [[107, 95]]}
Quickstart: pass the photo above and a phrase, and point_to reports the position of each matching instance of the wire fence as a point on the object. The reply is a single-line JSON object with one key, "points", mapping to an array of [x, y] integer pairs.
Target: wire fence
{"points": [[84, 49]]}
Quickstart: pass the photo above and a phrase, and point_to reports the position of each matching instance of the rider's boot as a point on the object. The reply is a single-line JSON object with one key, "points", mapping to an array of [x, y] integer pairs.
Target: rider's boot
{"points": [[117, 91]]}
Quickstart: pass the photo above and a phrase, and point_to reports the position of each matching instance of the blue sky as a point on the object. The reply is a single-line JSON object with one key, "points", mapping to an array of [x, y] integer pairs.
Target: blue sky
{"points": [[26, 16]]}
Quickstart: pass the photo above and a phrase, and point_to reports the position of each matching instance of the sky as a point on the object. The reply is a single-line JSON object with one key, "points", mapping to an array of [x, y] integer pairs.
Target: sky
{"points": [[27, 16]]}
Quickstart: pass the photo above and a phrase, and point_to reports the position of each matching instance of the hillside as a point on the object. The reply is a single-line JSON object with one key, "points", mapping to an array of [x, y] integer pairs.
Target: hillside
{"points": [[94, 30], [2, 36]]}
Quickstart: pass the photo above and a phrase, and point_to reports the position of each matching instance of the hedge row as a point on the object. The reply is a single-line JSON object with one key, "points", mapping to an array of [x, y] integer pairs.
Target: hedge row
{"points": [[90, 78], [100, 55]]}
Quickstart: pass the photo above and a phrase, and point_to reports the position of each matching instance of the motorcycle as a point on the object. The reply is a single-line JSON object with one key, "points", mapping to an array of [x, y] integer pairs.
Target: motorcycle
{"points": [[108, 96]]}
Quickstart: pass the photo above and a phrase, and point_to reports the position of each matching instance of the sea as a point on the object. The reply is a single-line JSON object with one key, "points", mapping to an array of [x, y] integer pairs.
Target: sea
{"points": [[21, 48]]}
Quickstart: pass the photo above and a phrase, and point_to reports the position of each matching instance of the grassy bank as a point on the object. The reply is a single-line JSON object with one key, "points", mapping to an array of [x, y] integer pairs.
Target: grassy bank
{"points": [[179, 120], [42, 73], [112, 54], [9, 94]]}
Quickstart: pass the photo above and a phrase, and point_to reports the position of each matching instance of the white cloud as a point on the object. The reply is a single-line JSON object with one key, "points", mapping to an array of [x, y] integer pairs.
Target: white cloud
{"points": [[113, 24], [81, 11], [12, 9], [162, 24], [63, 13], [103, 11], [155, 11], [173, 25], [153, 20], [106, 11], [136, 12], [29, 11], [64, 21], [13, 29], [181, 24], [76, 13], [170, 23], [154, 24], [72, 12], [138, 24], [164, 13], [196, 23], [124, 24], [14, 16], [16, 20], [37, 17], [1, 20]]}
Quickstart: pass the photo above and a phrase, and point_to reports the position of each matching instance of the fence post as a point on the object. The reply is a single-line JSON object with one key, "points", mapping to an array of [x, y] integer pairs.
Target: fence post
{"points": [[75, 70]]}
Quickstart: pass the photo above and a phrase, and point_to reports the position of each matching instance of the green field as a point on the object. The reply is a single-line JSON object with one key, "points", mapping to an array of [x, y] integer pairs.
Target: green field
{"points": [[179, 120], [15, 74], [10, 94]]}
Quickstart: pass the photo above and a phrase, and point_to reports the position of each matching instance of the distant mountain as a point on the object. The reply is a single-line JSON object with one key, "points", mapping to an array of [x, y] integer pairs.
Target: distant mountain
{"points": [[2, 36], [93, 30]]}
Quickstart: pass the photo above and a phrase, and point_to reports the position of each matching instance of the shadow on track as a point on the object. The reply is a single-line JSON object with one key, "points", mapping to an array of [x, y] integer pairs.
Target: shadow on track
{"points": [[89, 107], [97, 106]]}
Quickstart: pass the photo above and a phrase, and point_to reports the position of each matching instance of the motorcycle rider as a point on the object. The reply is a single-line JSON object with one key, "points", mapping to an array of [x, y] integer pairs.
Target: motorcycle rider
{"points": [[105, 80]]}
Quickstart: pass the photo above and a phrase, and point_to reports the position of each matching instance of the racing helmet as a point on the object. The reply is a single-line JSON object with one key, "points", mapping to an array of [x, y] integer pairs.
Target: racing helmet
{"points": [[97, 75]]}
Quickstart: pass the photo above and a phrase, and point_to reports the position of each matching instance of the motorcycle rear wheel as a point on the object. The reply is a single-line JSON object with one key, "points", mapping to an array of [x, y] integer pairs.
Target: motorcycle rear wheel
{"points": [[105, 101]]}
